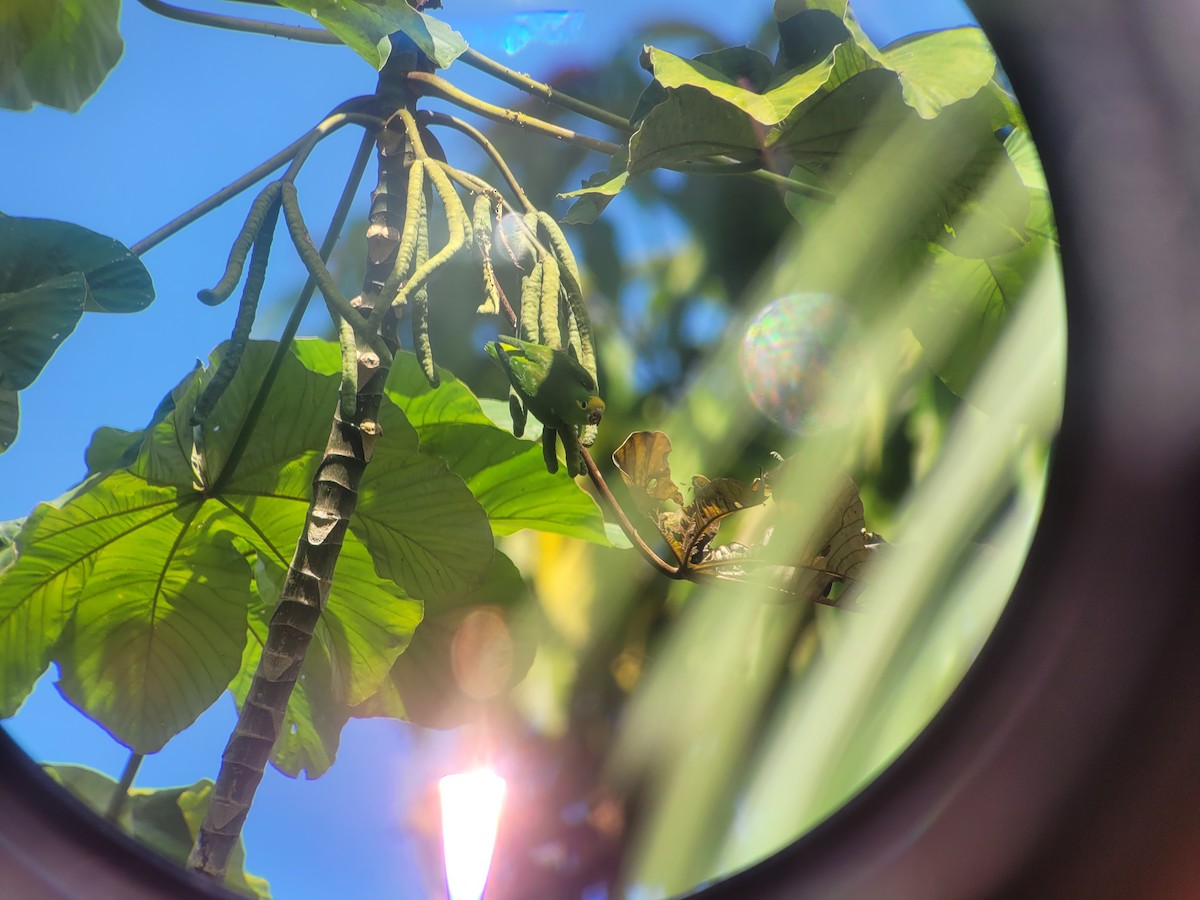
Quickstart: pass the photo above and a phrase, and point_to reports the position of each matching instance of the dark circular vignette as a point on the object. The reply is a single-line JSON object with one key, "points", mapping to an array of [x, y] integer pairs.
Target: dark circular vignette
{"points": [[1068, 761]]}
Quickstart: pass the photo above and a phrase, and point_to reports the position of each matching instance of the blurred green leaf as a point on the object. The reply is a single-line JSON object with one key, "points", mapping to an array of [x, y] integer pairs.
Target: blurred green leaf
{"points": [[364, 26], [969, 301], [949, 175], [164, 819], [35, 252], [1025, 157], [941, 67], [424, 686], [769, 107], [10, 417], [57, 52]]}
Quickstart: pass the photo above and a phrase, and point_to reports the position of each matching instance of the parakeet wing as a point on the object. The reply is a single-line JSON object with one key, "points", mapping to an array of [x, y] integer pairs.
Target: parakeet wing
{"points": [[530, 364]]}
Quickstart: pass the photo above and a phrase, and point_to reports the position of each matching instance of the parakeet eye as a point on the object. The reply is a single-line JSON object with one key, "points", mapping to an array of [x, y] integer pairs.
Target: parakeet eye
{"points": [[582, 404]]}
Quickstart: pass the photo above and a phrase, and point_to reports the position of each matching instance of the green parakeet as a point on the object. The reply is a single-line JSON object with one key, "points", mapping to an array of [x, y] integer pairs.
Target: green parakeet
{"points": [[559, 392]]}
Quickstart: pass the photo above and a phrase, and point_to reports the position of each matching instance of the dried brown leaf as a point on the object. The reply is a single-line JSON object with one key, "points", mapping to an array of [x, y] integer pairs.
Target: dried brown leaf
{"points": [[642, 462]]}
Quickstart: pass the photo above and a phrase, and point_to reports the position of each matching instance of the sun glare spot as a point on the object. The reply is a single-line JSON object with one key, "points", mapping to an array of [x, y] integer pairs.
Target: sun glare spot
{"points": [[471, 804]]}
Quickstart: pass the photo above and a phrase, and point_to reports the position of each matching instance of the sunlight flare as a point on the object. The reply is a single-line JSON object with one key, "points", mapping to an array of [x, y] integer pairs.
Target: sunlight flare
{"points": [[471, 804]]}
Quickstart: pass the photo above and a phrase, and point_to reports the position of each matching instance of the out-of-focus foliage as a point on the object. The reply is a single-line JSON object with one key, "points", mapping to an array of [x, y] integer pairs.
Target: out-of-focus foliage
{"points": [[164, 819], [51, 273], [57, 52]]}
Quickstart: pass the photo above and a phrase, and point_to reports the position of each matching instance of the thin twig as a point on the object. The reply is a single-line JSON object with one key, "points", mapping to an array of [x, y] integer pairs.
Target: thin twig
{"points": [[325, 128], [234, 23], [439, 87], [477, 60], [622, 520], [231, 190]]}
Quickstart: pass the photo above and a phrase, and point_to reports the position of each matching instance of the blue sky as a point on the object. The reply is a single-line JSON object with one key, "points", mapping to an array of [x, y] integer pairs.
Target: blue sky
{"points": [[186, 111]]}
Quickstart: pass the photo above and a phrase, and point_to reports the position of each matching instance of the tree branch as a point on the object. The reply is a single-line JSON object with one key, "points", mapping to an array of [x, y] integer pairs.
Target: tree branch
{"points": [[234, 23], [622, 520], [478, 61], [234, 188], [439, 87], [120, 795]]}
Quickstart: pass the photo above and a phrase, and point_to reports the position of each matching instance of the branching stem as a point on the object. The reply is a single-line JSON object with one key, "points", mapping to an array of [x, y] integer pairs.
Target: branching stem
{"points": [[439, 87], [120, 795], [623, 521], [234, 23], [478, 61], [234, 188]]}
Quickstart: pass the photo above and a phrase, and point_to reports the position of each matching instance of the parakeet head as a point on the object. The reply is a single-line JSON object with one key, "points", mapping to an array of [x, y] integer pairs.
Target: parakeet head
{"points": [[593, 408]]}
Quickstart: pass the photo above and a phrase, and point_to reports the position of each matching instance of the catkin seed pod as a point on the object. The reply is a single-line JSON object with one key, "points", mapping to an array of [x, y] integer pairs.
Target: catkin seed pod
{"points": [[247, 309], [415, 209], [548, 304], [264, 203], [531, 297], [584, 344], [420, 310], [482, 222]]}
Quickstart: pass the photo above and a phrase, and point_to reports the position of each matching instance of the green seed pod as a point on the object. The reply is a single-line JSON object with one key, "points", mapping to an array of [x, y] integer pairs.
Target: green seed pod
{"points": [[267, 200], [531, 297], [247, 309], [414, 211], [420, 312], [572, 286], [482, 221], [548, 304]]}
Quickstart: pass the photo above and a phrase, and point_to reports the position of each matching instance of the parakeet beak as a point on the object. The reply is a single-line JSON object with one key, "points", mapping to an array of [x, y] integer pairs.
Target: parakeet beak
{"points": [[595, 410]]}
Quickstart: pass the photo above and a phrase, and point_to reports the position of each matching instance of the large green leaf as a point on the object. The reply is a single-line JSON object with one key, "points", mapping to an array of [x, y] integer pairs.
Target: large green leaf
{"points": [[33, 323], [935, 68], [164, 819], [364, 26], [506, 474], [423, 687], [941, 67], [354, 646], [34, 252], [970, 301], [691, 124], [145, 597], [950, 175], [10, 418], [767, 107], [56, 52], [50, 274], [144, 582]]}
